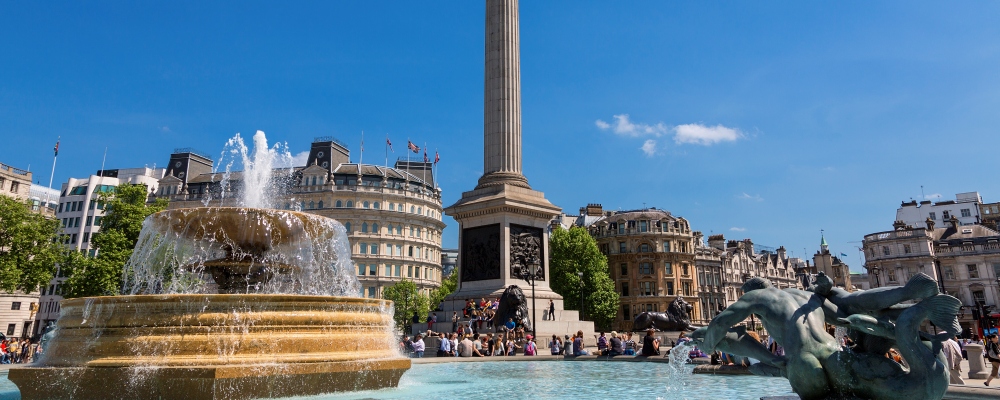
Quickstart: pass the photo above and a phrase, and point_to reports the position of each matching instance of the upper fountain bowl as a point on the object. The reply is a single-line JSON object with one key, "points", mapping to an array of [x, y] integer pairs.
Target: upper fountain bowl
{"points": [[241, 250]]}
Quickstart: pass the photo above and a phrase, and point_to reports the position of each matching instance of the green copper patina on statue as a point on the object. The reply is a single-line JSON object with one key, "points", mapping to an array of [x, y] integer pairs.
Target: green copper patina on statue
{"points": [[816, 365]]}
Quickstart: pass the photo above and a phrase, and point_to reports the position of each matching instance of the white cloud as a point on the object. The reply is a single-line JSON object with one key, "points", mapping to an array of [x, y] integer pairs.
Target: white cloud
{"points": [[738, 229], [649, 147], [625, 127], [165, 129], [298, 160], [745, 196], [705, 135]]}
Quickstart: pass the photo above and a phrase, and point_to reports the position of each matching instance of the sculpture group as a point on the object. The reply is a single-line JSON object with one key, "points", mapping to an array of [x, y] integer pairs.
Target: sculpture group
{"points": [[677, 318], [816, 364]]}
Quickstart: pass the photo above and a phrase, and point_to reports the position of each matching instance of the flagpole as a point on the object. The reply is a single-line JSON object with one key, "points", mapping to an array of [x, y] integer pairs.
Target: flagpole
{"points": [[362, 158], [53, 174], [385, 171], [425, 162]]}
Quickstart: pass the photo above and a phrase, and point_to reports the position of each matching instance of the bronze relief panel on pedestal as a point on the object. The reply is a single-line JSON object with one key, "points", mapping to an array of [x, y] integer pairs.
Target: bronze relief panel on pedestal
{"points": [[480, 256], [526, 248]]}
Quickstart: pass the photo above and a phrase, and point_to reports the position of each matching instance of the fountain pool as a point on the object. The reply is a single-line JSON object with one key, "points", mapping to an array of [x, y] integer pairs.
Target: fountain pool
{"points": [[559, 380]]}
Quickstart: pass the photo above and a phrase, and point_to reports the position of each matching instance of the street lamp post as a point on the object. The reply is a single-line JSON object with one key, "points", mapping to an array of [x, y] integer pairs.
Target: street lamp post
{"points": [[875, 270], [529, 275], [582, 312]]}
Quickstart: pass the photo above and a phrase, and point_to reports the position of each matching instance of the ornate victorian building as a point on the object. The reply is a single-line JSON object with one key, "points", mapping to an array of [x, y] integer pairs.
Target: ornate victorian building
{"points": [[392, 215], [651, 254], [964, 259]]}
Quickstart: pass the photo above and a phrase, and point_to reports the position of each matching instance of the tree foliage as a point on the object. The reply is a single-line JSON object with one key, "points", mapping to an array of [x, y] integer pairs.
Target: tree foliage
{"points": [[407, 302], [575, 251], [126, 209], [28, 248], [448, 286]]}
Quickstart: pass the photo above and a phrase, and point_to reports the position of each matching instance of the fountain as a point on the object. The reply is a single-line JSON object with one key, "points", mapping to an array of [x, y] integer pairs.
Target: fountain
{"points": [[225, 303]]}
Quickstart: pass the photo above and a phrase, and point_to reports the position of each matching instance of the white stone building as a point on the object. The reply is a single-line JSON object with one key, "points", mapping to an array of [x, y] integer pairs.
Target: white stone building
{"points": [[965, 207], [392, 215], [79, 213]]}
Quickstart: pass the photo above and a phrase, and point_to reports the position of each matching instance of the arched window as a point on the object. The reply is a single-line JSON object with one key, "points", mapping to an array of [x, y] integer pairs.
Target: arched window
{"points": [[302, 205], [411, 209], [365, 204], [392, 207], [348, 226], [320, 204], [312, 204], [314, 181], [399, 229], [376, 205], [420, 210], [350, 204], [374, 228], [340, 204], [411, 251], [364, 227]]}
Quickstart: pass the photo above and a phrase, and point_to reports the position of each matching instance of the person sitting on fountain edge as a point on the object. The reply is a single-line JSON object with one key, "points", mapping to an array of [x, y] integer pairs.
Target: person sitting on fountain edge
{"points": [[650, 344]]}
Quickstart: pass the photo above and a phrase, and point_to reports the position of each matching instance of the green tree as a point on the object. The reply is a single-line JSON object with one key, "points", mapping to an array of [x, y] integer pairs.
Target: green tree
{"points": [[126, 209], [28, 248], [575, 251], [407, 301], [448, 286]]}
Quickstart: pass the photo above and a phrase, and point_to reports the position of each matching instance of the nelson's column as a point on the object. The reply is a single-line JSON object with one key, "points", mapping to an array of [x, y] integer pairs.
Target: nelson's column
{"points": [[503, 222]]}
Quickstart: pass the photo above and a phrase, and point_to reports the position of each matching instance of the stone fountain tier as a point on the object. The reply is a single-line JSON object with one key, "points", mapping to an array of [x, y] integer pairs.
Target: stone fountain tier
{"points": [[215, 347], [246, 235]]}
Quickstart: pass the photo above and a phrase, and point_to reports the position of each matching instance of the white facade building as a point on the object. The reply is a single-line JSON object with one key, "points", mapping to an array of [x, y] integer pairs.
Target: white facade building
{"points": [[79, 212], [965, 207]]}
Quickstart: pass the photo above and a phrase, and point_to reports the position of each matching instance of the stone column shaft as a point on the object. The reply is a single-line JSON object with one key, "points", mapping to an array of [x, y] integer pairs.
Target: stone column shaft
{"points": [[502, 92]]}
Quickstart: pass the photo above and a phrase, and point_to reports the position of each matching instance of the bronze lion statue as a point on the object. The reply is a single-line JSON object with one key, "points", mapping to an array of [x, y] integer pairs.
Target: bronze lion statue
{"points": [[677, 318]]}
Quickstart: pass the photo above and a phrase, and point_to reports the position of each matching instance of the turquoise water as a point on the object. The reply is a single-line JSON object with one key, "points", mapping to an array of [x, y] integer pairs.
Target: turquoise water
{"points": [[568, 380], [551, 380]]}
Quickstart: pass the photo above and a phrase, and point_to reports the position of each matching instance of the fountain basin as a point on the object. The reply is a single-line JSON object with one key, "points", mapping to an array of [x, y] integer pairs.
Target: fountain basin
{"points": [[215, 346]]}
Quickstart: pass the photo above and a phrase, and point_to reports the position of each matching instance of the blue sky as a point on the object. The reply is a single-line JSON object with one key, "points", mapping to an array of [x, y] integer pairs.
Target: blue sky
{"points": [[768, 119]]}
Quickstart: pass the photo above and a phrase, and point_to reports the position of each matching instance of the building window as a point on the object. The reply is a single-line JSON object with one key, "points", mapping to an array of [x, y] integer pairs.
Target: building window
{"points": [[339, 204], [625, 313], [312, 204], [392, 206], [668, 268], [320, 204], [996, 270], [687, 288], [411, 251], [10, 329], [973, 271], [364, 227], [373, 269], [348, 227], [645, 288], [670, 288], [350, 204], [966, 213], [979, 296], [15, 305], [364, 205], [621, 229], [666, 247], [892, 274], [624, 289], [624, 270], [371, 292], [645, 268], [906, 248], [621, 247], [933, 216], [946, 215], [364, 248], [885, 250], [361, 269], [643, 226], [86, 237], [684, 269], [949, 273], [377, 206], [374, 227], [375, 248], [644, 248]]}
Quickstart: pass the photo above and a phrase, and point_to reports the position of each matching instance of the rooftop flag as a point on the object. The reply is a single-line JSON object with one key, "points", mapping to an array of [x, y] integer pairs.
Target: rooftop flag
{"points": [[412, 147], [437, 157], [56, 149]]}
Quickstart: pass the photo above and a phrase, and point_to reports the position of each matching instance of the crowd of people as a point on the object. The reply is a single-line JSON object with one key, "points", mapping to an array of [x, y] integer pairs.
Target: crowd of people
{"points": [[512, 341], [18, 351]]}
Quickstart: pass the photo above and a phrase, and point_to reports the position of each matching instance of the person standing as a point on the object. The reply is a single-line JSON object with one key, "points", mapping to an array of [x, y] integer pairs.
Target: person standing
{"points": [[993, 355], [530, 349], [953, 354], [444, 346], [552, 310], [454, 321], [418, 346], [454, 344]]}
